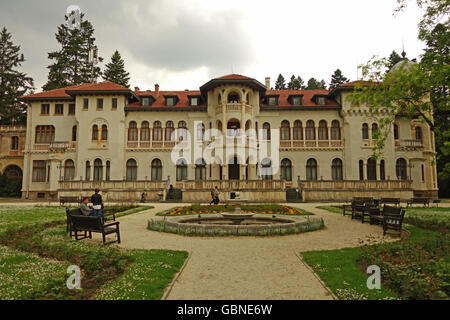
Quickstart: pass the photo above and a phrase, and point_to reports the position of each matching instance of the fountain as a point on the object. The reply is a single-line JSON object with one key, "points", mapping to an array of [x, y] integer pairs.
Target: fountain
{"points": [[237, 216]]}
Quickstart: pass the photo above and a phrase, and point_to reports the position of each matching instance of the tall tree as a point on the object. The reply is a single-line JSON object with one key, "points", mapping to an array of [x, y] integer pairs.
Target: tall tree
{"points": [[13, 83], [72, 64], [280, 84], [115, 71], [337, 78], [416, 89], [393, 59], [313, 83], [296, 83]]}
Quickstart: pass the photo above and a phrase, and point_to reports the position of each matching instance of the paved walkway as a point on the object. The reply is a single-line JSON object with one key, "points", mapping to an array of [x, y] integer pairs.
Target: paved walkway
{"points": [[248, 267]]}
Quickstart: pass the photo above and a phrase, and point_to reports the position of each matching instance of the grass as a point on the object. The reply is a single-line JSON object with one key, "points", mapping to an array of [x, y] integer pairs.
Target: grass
{"points": [[36, 250], [413, 268], [260, 209]]}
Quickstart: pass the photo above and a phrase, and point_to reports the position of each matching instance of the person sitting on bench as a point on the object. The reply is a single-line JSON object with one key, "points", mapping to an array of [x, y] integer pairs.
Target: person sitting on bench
{"points": [[87, 211]]}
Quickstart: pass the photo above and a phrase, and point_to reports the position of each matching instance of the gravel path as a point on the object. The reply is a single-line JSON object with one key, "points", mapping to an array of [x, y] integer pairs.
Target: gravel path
{"points": [[248, 267]]}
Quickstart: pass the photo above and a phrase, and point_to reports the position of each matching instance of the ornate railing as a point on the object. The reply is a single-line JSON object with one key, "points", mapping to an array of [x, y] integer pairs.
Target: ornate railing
{"points": [[112, 185], [356, 184]]}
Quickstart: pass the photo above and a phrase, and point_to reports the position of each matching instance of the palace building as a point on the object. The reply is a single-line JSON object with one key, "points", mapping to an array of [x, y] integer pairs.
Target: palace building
{"points": [[121, 140]]}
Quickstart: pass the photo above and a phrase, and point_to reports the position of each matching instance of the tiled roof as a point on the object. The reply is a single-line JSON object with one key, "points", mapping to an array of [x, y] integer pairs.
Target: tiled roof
{"points": [[183, 100], [283, 96], [233, 76], [63, 92]]}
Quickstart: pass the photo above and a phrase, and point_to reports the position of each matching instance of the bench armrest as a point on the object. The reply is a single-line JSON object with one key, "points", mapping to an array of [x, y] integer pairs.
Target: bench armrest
{"points": [[111, 224]]}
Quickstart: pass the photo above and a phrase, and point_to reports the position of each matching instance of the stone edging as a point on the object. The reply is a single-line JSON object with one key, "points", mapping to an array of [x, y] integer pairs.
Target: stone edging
{"points": [[175, 278]]}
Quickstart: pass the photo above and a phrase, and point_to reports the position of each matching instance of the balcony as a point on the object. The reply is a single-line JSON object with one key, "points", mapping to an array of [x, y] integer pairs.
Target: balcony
{"points": [[234, 107], [408, 144]]}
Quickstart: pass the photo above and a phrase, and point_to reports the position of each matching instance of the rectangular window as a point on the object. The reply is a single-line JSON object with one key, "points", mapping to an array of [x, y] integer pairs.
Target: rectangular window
{"points": [[15, 143], [85, 103], [296, 101], [272, 101], [45, 109], [59, 109], [114, 103], [321, 101], [145, 101], [170, 101], [72, 108], [100, 103], [194, 101], [39, 173]]}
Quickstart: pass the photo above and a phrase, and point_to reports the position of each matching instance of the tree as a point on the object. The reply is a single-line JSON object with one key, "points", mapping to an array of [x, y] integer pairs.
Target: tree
{"points": [[415, 89], [315, 84], [337, 78], [280, 84], [393, 59], [13, 83], [72, 65], [296, 83], [115, 71]]}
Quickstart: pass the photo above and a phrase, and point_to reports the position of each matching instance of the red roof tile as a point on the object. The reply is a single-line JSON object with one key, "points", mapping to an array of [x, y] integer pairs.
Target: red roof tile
{"points": [[283, 96], [233, 76], [160, 100]]}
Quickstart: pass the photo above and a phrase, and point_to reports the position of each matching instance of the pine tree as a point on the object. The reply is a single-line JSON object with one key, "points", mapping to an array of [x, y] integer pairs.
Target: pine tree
{"points": [[315, 84], [13, 84], [115, 71], [337, 78], [296, 83], [71, 63], [280, 84], [394, 58]]}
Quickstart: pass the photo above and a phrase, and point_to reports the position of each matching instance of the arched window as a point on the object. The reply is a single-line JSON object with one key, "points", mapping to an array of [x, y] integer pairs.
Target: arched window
{"points": [[104, 132], [374, 130], [286, 169], [418, 131], [200, 131], [156, 170], [200, 169], [422, 170], [336, 169], [169, 130], [88, 171], [182, 131], [395, 131], [74, 133], [132, 131], [365, 131], [371, 169], [14, 143], [382, 170], [400, 169], [285, 133], [266, 169], [145, 131], [69, 170], [335, 130], [311, 169], [233, 97], [131, 170], [181, 170], [361, 169], [323, 130], [98, 170], [108, 170], [298, 130], [310, 130], [219, 126], [233, 128], [45, 134], [157, 131], [266, 131], [94, 132]]}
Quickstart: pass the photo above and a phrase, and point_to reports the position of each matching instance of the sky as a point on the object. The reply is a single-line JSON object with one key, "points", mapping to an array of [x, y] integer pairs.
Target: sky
{"points": [[182, 44]]}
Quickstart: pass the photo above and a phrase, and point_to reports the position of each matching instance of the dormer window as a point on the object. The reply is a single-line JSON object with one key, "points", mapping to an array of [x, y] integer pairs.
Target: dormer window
{"points": [[171, 100], [295, 99], [146, 101], [321, 101], [272, 100], [194, 101]]}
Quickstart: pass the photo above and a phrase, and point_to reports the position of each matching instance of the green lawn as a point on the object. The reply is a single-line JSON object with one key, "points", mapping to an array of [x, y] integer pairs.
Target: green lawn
{"points": [[35, 251]]}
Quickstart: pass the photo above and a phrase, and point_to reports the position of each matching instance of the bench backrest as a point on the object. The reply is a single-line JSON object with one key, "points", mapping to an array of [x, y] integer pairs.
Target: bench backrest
{"points": [[394, 219], [363, 198], [389, 210], [420, 200], [390, 200], [74, 212], [86, 223]]}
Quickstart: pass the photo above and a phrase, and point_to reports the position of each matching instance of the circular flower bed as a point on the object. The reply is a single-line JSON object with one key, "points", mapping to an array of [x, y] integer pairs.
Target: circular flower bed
{"points": [[260, 209]]}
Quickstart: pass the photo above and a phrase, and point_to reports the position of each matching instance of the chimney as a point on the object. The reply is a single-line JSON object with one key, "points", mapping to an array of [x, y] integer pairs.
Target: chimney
{"points": [[157, 90], [267, 83], [136, 90]]}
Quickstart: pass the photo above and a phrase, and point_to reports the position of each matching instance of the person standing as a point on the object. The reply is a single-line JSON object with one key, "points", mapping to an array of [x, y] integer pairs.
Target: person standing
{"points": [[97, 203], [216, 196], [213, 197]]}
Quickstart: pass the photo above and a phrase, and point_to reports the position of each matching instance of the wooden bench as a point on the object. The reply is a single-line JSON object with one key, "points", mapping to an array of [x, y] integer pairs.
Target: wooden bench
{"points": [[395, 201], [71, 199], [424, 201], [348, 208], [93, 224], [436, 201], [377, 218], [69, 214], [390, 218]]}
